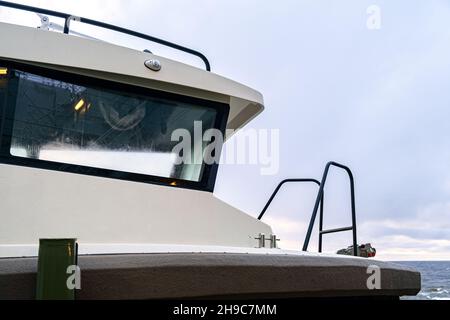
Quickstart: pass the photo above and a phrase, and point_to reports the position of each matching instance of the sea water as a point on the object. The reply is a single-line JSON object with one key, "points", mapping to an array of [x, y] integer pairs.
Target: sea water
{"points": [[435, 279]]}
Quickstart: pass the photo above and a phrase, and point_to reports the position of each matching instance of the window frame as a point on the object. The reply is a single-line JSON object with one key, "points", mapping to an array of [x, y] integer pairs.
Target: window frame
{"points": [[209, 171]]}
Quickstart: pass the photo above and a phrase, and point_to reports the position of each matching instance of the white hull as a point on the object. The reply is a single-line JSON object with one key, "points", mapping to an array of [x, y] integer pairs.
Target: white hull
{"points": [[40, 203]]}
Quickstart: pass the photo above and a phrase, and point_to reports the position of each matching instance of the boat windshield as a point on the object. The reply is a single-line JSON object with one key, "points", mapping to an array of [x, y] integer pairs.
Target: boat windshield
{"points": [[71, 122]]}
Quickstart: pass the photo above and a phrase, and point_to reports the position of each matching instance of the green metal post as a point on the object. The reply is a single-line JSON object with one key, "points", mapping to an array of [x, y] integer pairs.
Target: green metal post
{"points": [[55, 256]]}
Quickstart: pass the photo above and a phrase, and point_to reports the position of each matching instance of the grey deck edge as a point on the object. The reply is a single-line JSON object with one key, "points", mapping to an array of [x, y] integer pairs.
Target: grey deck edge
{"points": [[194, 275]]}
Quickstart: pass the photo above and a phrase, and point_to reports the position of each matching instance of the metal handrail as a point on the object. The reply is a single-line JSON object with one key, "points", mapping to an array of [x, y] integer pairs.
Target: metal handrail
{"points": [[318, 203], [278, 189], [68, 18]]}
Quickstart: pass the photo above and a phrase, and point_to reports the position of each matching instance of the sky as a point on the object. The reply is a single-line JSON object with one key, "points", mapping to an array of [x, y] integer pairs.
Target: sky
{"points": [[376, 100]]}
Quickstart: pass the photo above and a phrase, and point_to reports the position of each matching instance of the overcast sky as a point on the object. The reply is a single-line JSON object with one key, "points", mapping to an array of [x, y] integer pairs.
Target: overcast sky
{"points": [[376, 100]]}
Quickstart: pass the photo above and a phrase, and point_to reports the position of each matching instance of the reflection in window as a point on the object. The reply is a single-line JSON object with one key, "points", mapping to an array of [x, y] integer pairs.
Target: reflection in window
{"points": [[69, 123]]}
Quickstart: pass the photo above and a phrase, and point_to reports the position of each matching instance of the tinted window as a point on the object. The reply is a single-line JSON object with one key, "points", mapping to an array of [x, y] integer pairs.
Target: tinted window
{"points": [[66, 122]]}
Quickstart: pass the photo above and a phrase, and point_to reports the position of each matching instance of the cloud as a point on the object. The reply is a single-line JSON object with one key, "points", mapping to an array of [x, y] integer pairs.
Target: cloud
{"points": [[375, 100], [401, 247], [286, 225], [426, 236], [389, 237], [288, 230]]}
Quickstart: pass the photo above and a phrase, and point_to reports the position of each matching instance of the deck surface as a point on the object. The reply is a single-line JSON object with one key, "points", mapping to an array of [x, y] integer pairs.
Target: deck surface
{"points": [[229, 275]]}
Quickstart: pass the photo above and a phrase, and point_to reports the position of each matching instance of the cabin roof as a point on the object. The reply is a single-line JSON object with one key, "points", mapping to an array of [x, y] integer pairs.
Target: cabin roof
{"points": [[104, 60]]}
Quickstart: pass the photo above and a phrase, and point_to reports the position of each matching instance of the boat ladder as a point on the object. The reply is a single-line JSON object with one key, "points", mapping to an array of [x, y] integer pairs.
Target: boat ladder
{"points": [[318, 206]]}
